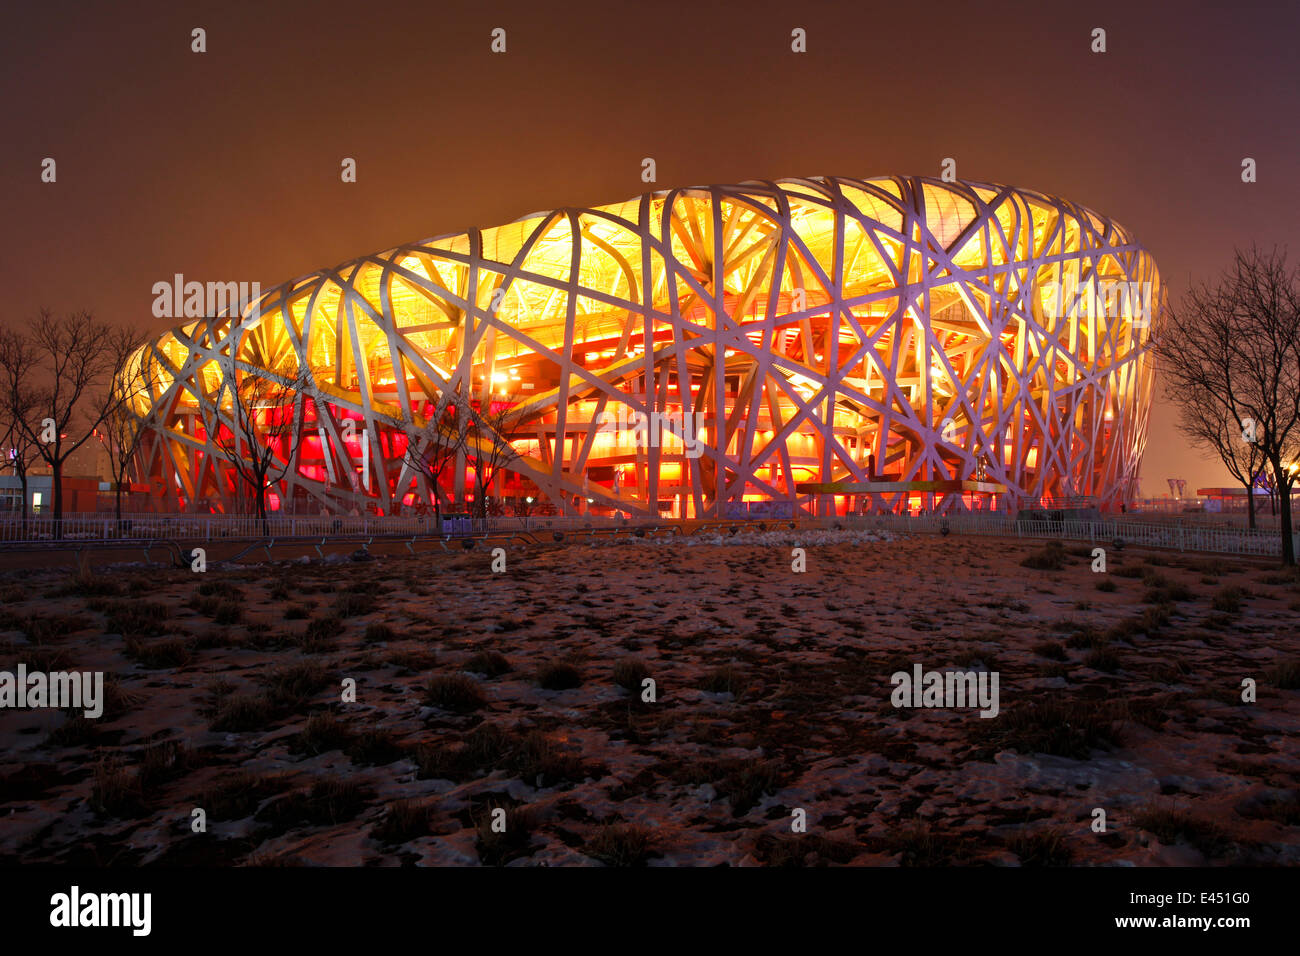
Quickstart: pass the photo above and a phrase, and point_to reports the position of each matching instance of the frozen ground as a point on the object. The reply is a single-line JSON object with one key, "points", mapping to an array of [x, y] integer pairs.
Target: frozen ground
{"points": [[478, 691]]}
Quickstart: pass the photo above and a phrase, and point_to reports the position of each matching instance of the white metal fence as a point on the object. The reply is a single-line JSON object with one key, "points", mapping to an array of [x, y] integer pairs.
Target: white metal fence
{"points": [[206, 527], [1181, 537], [192, 528], [89, 528]]}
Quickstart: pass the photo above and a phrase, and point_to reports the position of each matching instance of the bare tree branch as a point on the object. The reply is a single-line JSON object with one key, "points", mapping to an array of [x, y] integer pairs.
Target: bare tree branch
{"points": [[1230, 356]]}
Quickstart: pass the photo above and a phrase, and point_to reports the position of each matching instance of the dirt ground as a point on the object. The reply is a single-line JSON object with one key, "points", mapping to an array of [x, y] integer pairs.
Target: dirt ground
{"points": [[501, 717]]}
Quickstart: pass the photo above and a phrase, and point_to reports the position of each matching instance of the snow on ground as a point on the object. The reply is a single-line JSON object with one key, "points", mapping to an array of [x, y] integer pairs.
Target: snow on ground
{"points": [[1118, 691]]}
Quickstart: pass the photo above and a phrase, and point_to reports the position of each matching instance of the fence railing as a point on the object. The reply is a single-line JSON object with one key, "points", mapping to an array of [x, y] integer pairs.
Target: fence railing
{"points": [[1181, 537], [207, 527], [193, 529]]}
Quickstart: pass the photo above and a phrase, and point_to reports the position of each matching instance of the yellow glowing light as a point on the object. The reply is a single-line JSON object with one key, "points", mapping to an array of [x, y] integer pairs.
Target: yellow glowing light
{"points": [[589, 321]]}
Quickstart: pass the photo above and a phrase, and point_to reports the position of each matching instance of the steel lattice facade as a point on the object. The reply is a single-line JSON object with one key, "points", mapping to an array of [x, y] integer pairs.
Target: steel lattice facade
{"points": [[807, 331]]}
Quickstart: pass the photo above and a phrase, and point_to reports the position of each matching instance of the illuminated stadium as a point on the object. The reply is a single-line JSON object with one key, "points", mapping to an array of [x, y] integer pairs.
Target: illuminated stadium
{"points": [[815, 346]]}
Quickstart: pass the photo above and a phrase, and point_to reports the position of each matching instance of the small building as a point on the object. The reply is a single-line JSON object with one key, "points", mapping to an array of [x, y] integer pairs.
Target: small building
{"points": [[80, 494], [1233, 500]]}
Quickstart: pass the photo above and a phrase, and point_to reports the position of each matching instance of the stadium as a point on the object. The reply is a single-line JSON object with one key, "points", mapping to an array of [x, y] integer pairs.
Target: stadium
{"points": [[805, 346]]}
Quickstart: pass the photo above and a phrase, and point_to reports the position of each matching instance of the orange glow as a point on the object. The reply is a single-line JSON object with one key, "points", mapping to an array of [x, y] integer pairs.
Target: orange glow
{"points": [[737, 394]]}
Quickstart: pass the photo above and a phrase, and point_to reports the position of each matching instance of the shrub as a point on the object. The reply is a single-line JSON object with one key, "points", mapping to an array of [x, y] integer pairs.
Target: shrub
{"points": [[44, 658], [746, 783], [539, 762], [1041, 848], [1154, 618], [621, 844], [375, 748], [354, 603], [77, 730], [158, 654], [220, 588], [319, 634], [227, 612], [48, 627], [497, 848], [117, 699], [237, 713], [405, 820], [1228, 600], [488, 663], [1285, 675], [1171, 825], [1051, 557], [164, 761], [1052, 650], [559, 675], [629, 673], [487, 744], [1153, 578], [459, 693], [88, 584], [293, 685], [1049, 725], [130, 618], [920, 845], [726, 679], [236, 795], [322, 733], [115, 791], [805, 849], [1102, 658], [330, 801], [416, 660]]}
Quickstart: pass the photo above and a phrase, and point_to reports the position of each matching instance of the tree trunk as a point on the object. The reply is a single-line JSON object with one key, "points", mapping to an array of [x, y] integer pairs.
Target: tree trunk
{"points": [[58, 499], [1250, 507], [1288, 543], [23, 479], [117, 507], [261, 508]]}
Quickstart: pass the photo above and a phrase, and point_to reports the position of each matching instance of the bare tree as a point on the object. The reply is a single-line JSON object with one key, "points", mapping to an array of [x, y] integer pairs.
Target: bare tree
{"points": [[48, 377], [251, 419], [490, 427], [17, 451], [1268, 481], [1236, 345], [1202, 420], [120, 434], [121, 431], [436, 444]]}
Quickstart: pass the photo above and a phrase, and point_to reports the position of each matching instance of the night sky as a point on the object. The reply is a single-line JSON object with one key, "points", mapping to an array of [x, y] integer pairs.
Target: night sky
{"points": [[225, 165]]}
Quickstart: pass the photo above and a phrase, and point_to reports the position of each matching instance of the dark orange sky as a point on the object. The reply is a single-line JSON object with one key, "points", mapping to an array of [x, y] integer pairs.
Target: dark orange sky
{"points": [[225, 165]]}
